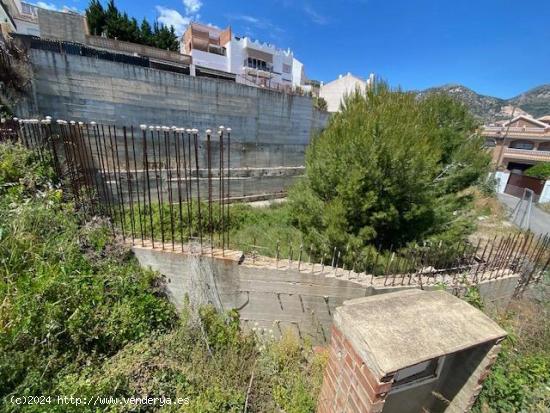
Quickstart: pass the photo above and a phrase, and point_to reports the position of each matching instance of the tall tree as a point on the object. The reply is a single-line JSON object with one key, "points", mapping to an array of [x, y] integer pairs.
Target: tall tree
{"points": [[146, 33], [113, 21], [95, 15], [387, 171], [115, 24]]}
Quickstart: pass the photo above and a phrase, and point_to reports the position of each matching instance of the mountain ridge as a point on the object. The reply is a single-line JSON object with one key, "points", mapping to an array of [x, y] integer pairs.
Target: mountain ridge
{"points": [[534, 102]]}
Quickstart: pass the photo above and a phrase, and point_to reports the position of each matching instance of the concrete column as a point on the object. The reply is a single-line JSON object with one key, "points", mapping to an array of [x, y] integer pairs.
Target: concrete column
{"points": [[545, 195], [502, 179]]}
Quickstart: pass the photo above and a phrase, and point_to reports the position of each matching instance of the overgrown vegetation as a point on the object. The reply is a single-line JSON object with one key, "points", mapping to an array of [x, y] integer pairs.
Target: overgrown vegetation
{"points": [[79, 317], [540, 170], [15, 74], [520, 378], [388, 171], [116, 24], [320, 103]]}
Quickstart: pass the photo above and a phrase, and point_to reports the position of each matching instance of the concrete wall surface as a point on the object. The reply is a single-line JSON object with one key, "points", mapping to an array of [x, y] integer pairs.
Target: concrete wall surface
{"points": [[280, 298], [62, 25], [501, 178], [81, 88], [269, 129]]}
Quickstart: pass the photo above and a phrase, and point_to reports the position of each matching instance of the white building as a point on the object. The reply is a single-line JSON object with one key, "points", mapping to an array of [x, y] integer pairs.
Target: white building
{"points": [[24, 15], [251, 62], [7, 24], [334, 92]]}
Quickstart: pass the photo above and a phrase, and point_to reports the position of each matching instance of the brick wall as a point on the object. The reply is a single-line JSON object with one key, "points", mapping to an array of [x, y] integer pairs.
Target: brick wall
{"points": [[348, 385]]}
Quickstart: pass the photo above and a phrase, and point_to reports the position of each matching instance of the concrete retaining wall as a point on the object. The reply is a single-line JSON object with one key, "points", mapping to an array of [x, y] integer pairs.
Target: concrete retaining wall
{"points": [[270, 129], [277, 298]]}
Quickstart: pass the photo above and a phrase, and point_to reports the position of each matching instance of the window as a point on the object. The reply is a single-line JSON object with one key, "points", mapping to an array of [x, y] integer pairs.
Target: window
{"points": [[256, 64], [545, 146], [418, 374], [287, 68], [28, 9], [490, 143], [522, 145]]}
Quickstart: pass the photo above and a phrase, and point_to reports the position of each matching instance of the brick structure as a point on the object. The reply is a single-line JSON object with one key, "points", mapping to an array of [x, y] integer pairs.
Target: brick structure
{"points": [[409, 351], [348, 384]]}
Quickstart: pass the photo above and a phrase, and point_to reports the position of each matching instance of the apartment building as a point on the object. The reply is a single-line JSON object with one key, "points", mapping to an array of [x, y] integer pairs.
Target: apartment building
{"points": [[221, 53], [24, 16], [519, 143]]}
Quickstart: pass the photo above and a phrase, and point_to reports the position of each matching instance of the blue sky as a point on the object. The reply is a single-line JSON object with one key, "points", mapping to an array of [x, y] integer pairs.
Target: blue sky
{"points": [[496, 47]]}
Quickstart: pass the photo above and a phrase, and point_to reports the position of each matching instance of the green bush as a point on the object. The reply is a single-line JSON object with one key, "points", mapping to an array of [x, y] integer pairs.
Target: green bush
{"points": [[388, 171], [540, 170], [520, 379], [80, 317]]}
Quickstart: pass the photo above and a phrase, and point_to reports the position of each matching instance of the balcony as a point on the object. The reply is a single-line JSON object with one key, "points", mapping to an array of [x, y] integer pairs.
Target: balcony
{"points": [[500, 131], [527, 154]]}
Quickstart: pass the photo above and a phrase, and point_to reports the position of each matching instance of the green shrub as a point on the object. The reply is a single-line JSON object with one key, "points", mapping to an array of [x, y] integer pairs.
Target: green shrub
{"points": [[388, 171], [540, 170], [520, 379], [80, 317]]}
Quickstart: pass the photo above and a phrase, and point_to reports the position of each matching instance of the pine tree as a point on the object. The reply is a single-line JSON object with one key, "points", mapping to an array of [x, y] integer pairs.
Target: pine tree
{"points": [[146, 33], [387, 171], [95, 15], [113, 21], [122, 27]]}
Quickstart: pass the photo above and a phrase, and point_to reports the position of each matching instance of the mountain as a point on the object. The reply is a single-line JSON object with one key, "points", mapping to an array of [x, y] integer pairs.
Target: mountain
{"points": [[534, 102]]}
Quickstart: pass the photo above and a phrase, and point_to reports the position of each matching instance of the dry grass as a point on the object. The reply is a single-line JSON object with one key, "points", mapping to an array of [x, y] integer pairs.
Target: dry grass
{"points": [[490, 217], [545, 207]]}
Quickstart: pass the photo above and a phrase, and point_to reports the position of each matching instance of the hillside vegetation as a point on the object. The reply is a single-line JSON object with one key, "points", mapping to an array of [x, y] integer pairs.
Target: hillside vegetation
{"points": [[79, 317]]}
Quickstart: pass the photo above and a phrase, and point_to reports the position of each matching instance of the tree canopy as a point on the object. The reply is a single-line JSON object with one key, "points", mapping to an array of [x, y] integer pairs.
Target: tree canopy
{"points": [[116, 24], [387, 171]]}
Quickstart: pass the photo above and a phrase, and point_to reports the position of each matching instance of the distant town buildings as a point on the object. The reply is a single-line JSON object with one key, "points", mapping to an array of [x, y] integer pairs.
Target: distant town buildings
{"points": [[519, 143], [333, 92], [253, 63]]}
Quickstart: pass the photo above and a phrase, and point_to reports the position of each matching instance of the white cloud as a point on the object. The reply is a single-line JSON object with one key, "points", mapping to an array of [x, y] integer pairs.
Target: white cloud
{"points": [[192, 6], [47, 6], [257, 23], [171, 17], [54, 7], [314, 15], [248, 19]]}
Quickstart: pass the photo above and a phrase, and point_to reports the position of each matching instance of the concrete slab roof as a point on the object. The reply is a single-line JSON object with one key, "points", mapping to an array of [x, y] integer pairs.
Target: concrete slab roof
{"points": [[396, 330]]}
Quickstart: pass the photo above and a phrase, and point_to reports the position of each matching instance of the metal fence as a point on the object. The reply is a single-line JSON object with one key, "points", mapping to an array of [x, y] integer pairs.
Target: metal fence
{"points": [[170, 188]]}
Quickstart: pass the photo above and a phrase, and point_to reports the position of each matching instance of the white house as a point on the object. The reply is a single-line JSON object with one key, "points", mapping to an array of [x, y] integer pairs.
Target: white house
{"points": [[251, 62], [7, 24], [25, 16], [333, 92]]}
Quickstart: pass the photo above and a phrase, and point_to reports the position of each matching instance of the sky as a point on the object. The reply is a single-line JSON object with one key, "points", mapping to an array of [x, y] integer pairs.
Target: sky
{"points": [[496, 47]]}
